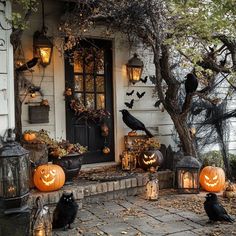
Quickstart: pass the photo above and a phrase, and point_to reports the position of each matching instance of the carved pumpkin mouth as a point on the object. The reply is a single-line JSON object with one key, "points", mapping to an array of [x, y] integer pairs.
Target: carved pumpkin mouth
{"points": [[149, 160]]}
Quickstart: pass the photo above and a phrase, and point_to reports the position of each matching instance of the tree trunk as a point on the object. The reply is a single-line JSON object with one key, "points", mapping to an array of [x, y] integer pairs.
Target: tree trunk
{"points": [[187, 141]]}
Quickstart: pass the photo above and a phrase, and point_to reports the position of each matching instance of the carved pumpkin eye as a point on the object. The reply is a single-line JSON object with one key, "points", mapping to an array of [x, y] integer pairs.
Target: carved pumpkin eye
{"points": [[42, 171], [53, 172], [145, 156], [152, 155], [206, 177], [215, 178]]}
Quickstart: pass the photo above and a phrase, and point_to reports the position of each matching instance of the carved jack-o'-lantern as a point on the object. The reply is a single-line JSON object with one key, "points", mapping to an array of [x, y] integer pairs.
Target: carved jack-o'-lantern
{"points": [[151, 158], [49, 177], [212, 179]]}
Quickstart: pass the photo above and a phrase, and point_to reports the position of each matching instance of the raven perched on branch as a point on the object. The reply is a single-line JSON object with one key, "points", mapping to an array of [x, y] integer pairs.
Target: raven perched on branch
{"points": [[133, 123]]}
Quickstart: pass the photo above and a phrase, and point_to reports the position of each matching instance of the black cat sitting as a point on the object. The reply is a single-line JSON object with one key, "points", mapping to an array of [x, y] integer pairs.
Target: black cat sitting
{"points": [[65, 212]]}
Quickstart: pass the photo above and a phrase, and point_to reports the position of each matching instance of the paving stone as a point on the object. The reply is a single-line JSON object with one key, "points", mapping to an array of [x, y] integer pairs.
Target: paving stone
{"points": [[184, 233], [169, 218], [85, 215]]}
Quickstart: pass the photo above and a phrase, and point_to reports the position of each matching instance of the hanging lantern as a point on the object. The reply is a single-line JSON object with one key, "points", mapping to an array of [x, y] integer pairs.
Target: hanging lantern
{"points": [[42, 44], [41, 221], [187, 170], [152, 188], [128, 160], [134, 69], [14, 176]]}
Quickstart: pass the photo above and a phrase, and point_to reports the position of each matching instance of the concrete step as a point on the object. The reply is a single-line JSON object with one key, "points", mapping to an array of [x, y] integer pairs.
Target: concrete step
{"points": [[94, 191]]}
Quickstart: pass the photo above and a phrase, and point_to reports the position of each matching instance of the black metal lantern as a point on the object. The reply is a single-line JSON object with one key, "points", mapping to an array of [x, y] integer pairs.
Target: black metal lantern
{"points": [[134, 69], [187, 171], [14, 176], [42, 44]]}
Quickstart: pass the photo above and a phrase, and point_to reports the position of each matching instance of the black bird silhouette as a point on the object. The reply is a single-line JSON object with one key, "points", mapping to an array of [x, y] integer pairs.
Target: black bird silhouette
{"points": [[191, 83], [133, 123], [215, 210], [130, 93], [130, 105], [140, 94], [29, 64]]}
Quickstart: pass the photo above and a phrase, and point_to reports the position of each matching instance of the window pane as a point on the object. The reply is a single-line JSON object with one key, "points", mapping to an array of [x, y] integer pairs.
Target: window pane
{"points": [[99, 61], [78, 82], [89, 62], [78, 62], [89, 83], [90, 101], [100, 101], [100, 83]]}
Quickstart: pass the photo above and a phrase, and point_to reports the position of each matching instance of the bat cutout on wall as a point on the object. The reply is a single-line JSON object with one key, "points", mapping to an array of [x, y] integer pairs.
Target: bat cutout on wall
{"points": [[157, 103], [144, 80], [130, 104], [130, 93], [140, 94]]}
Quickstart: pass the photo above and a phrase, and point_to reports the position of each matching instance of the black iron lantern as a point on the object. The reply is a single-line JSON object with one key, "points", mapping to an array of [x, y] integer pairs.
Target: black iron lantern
{"points": [[134, 69], [14, 176], [42, 44], [187, 171]]}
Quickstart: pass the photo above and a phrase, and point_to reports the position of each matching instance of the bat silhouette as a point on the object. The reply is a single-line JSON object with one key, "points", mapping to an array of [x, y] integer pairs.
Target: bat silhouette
{"points": [[130, 104], [144, 80], [130, 93], [157, 103], [140, 94]]}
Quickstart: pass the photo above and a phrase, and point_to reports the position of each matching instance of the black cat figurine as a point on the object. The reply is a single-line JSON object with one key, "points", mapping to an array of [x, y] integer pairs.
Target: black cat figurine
{"points": [[65, 212]]}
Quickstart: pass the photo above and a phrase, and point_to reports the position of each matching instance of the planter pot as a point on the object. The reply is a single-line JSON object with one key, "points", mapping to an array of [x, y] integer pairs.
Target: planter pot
{"points": [[71, 164]]}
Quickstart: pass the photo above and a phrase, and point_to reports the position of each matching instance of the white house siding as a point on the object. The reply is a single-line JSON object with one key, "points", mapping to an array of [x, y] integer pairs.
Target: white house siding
{"points": [[7, 119]]}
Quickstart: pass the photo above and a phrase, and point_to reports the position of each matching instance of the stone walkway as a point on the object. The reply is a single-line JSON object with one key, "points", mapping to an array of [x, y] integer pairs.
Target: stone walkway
{"points": [[137, 217]]}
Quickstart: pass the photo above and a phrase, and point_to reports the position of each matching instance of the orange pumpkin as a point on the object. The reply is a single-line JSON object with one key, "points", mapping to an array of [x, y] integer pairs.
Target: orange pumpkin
{"points": [[49, 177], [106, 150], [29, 136], [212, 179]]}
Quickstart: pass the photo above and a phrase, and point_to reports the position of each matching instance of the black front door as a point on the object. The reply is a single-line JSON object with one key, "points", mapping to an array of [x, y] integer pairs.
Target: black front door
{"points": [[89, 77]]}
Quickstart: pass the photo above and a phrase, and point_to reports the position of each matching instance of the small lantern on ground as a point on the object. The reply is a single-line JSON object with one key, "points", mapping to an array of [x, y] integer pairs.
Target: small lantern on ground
{"points": [[134, 69], [152, 188], [14, 176], [187, 171], [128, 160]]}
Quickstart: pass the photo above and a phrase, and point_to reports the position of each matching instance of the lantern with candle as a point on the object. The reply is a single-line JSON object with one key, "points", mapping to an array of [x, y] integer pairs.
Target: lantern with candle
{"points": [[152, 188], [187, 171], [128, 160]]}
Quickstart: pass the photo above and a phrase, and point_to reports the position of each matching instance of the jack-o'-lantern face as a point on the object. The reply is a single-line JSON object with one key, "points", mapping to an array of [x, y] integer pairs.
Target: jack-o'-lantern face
{"points": [[49, 177], [212, 179], [149, 159]]}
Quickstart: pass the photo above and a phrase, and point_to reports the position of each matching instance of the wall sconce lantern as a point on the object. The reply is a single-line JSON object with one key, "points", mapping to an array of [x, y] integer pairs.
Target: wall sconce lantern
{"points": [[134, 69], [128, 160], [42, 44], [14, 176], [187, 171]]}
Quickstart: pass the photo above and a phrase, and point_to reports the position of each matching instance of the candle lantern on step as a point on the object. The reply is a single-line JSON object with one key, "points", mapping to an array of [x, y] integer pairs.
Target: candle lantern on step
{"points": [[128, 160], [152, 188], [187, 171], [14, 176]]}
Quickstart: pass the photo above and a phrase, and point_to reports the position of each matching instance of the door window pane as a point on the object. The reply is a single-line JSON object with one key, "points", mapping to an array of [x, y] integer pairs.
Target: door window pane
{"points": [[100, 83], [80, 98], [89, 83], [100, 101], [90, 100], [78, 62], [79, 86], [89, 62], [99, 62]]}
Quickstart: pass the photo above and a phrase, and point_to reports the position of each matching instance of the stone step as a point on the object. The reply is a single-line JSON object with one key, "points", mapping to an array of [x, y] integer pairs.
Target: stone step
{"points": [[94, 191]]}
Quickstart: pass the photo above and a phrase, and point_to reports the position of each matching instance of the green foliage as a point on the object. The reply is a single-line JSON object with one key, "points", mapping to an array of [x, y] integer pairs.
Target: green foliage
{"points": [[215, 158]]}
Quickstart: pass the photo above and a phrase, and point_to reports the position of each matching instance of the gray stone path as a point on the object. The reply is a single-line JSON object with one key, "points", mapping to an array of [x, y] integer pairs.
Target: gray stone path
{"points": [[135, 216]]}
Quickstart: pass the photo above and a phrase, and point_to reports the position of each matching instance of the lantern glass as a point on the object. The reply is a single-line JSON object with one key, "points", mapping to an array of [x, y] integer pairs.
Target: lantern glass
{"points": [[134, 69], [152, 189], [129, 160], [45, 55]]}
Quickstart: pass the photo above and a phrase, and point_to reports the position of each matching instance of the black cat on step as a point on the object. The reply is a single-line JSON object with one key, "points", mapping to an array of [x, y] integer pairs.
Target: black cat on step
{"points": [[65, 212]]}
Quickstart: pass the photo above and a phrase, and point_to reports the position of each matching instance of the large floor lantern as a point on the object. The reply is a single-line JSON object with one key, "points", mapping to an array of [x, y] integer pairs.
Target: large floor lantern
{"points": [[14, 176], [187, 171]]}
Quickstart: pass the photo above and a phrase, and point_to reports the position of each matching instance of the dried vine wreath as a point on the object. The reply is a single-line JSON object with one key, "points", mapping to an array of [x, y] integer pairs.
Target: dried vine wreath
{"points": [[87, 113]]}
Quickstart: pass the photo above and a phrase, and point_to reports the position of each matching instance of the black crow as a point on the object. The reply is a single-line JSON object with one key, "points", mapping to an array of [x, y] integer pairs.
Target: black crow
{"points": [[133, 123], [215, 210], [29, 64]]}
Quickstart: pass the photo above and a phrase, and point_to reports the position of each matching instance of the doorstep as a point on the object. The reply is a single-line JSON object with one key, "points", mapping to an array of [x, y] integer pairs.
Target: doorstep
{"points": [[96, 191]]}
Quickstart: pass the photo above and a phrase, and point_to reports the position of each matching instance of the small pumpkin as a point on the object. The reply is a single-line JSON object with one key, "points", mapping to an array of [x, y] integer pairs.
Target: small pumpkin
{"points": [[150, 158], [106, 150], [29, 136], [212, 179], [132, 133], [49, 177], [230, 191]]}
